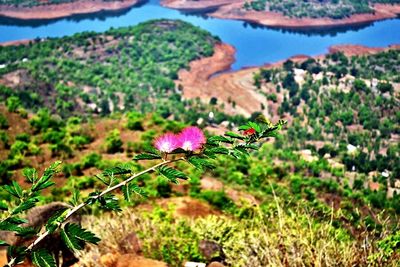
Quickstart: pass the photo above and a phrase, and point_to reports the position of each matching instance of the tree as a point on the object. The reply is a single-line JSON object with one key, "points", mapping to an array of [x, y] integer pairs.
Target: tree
{"points": [[385, 87], [13, 103]]}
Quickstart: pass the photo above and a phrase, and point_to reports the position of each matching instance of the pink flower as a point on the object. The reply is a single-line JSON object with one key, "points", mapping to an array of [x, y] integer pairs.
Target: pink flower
{"points": [[191, 139], [167, 142]]}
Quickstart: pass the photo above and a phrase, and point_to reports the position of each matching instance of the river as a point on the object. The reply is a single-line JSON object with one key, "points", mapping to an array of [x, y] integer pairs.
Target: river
{"points": [[255, 45]]}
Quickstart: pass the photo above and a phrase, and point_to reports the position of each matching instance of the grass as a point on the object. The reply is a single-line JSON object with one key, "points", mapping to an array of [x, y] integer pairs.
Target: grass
{"points": [[276, 236]]}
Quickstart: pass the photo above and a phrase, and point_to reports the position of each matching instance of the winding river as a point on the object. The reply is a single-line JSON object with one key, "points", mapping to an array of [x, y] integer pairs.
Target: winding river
{"points": [[255, 45]]}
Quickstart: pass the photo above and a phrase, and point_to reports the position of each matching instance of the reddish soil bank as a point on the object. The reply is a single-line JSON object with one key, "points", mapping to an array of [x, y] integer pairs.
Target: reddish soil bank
{"points": [[236, 89], [233, 10], [65, 9], [18, 42]]}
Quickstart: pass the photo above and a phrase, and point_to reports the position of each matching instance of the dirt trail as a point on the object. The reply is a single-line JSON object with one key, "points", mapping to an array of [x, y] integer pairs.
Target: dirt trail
{"points": [[234, 10], [64, 9]]}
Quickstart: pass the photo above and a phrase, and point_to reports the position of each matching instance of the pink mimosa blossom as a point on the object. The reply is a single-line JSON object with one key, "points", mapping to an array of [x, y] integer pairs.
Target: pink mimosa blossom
{"points": [[191, 139], [167, 142]]}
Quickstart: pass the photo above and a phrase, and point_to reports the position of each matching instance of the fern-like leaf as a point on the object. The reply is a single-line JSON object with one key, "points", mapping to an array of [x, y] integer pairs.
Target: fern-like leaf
{"points": [[42, 258]]}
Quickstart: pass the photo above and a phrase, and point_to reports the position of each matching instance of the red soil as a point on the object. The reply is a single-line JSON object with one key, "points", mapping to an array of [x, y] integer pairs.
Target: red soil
{"points": [[18, 42], [234, 10], [64, 9]]}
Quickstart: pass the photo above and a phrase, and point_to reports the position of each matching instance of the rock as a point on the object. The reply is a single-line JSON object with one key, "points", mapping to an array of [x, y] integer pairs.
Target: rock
{"points": [[3, 257], [215, 264], [211, 250], [131, 260], [109, 259], [130, 244], [194, 264]]}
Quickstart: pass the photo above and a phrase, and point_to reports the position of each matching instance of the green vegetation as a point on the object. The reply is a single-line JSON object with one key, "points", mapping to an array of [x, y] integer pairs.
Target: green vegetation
{"points": [[118, 70], [95, 100], [345, 101], [335, 9]]}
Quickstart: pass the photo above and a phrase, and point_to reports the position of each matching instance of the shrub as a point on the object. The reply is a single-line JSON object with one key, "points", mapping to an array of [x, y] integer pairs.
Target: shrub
{"points": [[3, 122], [113, 142]]}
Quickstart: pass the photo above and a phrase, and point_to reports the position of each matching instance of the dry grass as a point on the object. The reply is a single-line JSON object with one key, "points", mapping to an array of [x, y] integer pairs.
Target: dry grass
{"points": [[275, 237]]}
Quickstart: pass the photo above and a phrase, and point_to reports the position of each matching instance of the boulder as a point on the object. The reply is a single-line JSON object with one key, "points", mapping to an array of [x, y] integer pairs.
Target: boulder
{"points": [[211, 250], [130, 244]]}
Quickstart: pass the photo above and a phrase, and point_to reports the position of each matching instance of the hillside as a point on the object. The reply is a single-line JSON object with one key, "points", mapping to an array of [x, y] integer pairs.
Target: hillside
{"points": [[293, 14], [121, 69], [54, 9], [322, 192]]}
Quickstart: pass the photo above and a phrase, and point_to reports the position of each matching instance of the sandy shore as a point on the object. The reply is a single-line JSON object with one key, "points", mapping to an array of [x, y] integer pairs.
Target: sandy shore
{"points": [[65, 9], [236, 89], [233, 10]]}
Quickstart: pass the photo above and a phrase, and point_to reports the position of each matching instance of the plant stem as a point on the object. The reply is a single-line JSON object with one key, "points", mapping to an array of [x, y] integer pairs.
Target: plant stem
{"points": [[83, 204]]}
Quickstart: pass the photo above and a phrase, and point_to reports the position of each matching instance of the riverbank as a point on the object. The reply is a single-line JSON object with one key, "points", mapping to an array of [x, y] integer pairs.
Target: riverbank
{"points": [[236, 89], [65, 9], [234, 10]]}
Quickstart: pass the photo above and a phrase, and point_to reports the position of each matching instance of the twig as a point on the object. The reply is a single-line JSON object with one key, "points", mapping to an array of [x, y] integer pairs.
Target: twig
{"points": [[84, 204]]}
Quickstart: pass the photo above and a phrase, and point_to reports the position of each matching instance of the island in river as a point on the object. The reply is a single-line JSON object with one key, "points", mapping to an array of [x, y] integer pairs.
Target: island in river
{"points": [[235, 9], [49, 10]]}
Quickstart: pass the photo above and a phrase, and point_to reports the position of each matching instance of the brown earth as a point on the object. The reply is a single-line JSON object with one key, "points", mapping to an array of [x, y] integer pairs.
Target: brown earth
{"points": [[199, 83], [188, 207], [236, 89], [129, 260], [18, 42], [234, 10], [64, 9]]}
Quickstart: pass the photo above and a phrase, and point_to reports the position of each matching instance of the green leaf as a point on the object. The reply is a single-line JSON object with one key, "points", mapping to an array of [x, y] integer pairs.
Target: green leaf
{"points": [[26, 205], [3, 243], [217, 150], [172, 174], [44, 182], [30, 174], [3, 206], [93, 197], [76, 195], [75, 236], [247, 146], [82, 234], [53, 169], [255, 126], [71, 242], [14, 189], [128, 189], [110, 202], [218, 138], [42, 258], [235, 135], [55, 221], [127, 193], [146, 156], [6, 225], [135, 188], [200, 163], [16, 220], [118, 170], [16, 253], [27, 232]]}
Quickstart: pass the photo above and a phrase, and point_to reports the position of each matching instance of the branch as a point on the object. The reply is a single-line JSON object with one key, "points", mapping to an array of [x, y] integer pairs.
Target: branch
{"points": [[84, 204]]}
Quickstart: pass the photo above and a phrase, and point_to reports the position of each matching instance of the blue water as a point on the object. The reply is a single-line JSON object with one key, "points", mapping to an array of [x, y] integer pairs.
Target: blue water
{"points": [[255, 45]]}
